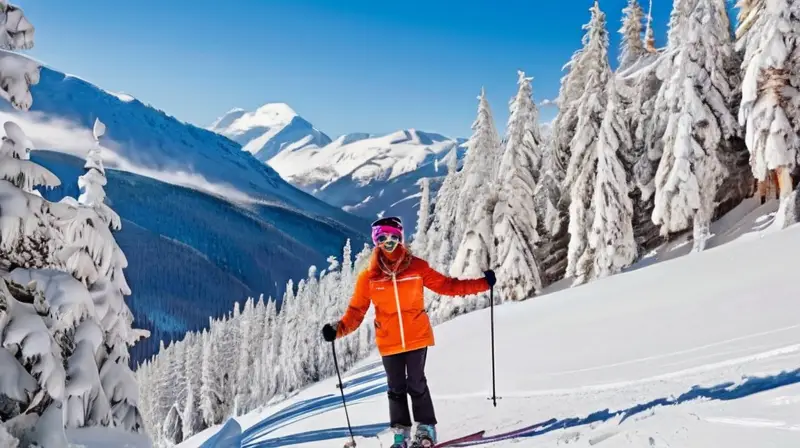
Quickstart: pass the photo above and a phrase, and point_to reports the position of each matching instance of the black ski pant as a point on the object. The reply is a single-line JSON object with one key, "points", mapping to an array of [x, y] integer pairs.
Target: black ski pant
{"points": [[405, 375]]}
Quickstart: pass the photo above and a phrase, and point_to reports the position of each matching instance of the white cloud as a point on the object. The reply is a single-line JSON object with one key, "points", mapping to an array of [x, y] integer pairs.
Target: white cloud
{"points": [[549, 102]]}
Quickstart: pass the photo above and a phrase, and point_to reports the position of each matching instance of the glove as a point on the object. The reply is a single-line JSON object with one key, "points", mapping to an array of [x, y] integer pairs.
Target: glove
{"points": [[490, 278], [329, 332]]}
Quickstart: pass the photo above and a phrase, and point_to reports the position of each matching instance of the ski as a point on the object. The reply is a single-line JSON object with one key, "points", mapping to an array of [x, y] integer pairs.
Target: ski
{"points": [[468, 438]]}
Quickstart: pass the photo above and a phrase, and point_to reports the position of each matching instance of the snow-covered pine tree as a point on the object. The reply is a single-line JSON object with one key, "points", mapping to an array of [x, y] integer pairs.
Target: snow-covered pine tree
{"points": [[191, 416], [93, 181], [17, 168], [649, 34], [611, 238], [699, 96], [93, 256], [419, 243], [28, 239], [552, 215], [210, 395], [632, 46], [477, 196], [441, 236], [565, 125], [69, 326], [768, 111], [282, 355], [638, 92], [18, 72], [514, 219], [535, 140], [244, 360], [582, 170]]}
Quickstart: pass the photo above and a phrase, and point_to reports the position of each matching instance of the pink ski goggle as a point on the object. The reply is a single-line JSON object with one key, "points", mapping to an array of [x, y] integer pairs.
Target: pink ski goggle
{"points": [[381, 234]]}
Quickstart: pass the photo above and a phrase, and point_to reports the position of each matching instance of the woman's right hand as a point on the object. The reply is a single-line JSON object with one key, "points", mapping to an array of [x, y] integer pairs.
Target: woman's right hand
{"points": [[329, 332]]}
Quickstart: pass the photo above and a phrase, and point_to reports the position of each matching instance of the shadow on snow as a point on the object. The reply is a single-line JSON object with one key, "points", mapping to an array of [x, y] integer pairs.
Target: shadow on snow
{"points": [[308, 408], [722, 392]]}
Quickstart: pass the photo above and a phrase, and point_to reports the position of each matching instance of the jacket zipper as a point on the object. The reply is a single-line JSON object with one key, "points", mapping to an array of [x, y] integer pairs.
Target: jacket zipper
{"points": [[399, 313]]}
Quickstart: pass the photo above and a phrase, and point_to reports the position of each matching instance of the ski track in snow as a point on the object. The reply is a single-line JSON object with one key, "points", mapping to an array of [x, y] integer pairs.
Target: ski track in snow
{"points": [[371, 383]]}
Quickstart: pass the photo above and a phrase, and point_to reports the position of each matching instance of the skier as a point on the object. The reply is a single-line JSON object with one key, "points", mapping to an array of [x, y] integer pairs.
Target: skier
{"points": [[394, 283]]}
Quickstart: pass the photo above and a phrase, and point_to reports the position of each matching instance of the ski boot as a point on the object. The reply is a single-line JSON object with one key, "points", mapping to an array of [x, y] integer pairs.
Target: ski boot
{"points": [[402, 435], [425, 437]]}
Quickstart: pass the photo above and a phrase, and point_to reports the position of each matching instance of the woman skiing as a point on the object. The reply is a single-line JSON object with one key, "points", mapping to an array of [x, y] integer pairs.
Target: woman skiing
{"points": [[394, 283]]}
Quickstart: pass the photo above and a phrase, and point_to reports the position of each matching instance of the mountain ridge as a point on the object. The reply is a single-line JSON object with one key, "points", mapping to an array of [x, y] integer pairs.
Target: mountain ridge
{"points": [[353, 170]]}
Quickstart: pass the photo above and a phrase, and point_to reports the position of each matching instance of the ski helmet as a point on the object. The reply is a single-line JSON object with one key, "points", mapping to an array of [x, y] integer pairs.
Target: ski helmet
{"points": [[391, 225]]}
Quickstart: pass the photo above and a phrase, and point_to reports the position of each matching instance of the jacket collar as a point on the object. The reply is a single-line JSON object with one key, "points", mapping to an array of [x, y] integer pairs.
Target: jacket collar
{"points": [[381, 266]]}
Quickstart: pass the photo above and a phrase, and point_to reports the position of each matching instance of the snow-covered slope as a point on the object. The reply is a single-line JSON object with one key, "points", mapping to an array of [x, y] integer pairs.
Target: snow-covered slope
{"points": [[697, 351], [147, 141], [204, 223], [268, 130]]}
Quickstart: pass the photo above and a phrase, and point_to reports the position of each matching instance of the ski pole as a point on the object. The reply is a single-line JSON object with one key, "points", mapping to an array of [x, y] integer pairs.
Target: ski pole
{"points": [[344, 402], [491, 304]]}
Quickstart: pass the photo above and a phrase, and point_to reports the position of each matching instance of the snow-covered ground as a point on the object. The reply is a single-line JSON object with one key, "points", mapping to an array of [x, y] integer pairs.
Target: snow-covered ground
{"points": [[698, 351]]}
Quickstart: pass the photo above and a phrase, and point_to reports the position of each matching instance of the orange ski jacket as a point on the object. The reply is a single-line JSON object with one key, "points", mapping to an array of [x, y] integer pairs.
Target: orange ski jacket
{"points": [[401, 323]]}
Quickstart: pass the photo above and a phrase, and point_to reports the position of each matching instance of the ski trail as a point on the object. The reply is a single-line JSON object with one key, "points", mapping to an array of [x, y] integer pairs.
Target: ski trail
{"points": [[787, 350], [673, 354]]}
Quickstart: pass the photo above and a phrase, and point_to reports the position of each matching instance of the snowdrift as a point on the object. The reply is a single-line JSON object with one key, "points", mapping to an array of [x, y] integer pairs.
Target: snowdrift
{"points": [[700, 350]]}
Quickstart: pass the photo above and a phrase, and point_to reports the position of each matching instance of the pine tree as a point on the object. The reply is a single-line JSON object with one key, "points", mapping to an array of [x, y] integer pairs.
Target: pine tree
{"points": [[92, 182], [476, 197], [552, 215], [581, 171], [611, 238], [16, 166], [766, 112], [700, 98], [28, 237], [18, 72], [565, 125], [632, 47], [649, 34], [419, 243], [514, 219], [441, 236], [244, 365], [209, 394]]}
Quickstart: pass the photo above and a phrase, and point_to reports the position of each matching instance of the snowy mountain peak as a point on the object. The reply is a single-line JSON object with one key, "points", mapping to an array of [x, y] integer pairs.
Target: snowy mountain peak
{"points": [[268, 130], [275, 113]]}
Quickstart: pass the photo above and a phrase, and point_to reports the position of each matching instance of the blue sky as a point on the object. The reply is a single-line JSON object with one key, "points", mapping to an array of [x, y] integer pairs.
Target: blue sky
{"points": [[346, 66]]}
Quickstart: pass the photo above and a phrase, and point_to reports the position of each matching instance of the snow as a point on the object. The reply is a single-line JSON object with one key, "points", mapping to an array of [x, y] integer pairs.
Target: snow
{"points": [[19, 73], [124, 97], [636, 359], [15, 382], [269, 130], [65, 295], [105, 437], [362, 160], [26, 334], [346, 170]]}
